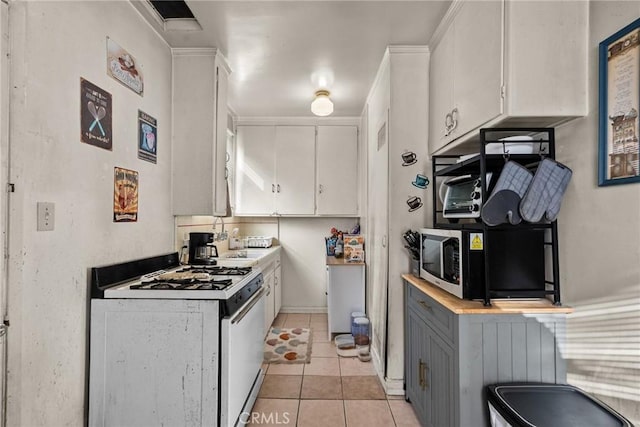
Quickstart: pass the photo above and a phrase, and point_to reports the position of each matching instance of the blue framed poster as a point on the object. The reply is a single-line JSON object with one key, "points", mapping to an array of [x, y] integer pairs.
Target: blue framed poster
{"points": [[619, 103], [147, 137]]}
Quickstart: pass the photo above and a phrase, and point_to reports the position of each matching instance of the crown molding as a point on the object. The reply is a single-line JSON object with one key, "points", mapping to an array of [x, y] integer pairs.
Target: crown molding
{"points": [[394, 49], [446, 21], [194, 51]]}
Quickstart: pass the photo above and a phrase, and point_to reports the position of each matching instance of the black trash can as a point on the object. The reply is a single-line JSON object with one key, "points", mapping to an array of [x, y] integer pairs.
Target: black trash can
{"points": [[548, 405]]}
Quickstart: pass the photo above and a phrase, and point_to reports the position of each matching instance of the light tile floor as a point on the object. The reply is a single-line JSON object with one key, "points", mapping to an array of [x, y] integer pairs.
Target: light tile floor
{"points": [[330, 391]]}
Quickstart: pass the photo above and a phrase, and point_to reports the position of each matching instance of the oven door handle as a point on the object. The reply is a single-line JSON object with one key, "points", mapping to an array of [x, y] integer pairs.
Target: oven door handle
{"points": [[237, 318]]}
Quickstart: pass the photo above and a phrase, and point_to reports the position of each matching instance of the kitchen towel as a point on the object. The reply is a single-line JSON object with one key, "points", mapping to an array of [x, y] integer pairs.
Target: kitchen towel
{"points": [[502, 206], [544, 195]]}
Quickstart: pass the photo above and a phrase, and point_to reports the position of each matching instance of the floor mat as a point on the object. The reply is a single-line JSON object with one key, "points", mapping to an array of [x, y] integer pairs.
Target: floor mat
{"points": [[288, 345]]}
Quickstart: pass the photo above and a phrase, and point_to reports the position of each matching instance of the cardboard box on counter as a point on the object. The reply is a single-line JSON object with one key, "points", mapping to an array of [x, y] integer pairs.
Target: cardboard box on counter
{"points": [[353, 248]]}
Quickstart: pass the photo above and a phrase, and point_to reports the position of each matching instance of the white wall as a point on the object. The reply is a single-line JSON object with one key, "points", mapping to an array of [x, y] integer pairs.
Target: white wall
{"points": [[600, 248], [53, 44], [403, 89], [408, 117], [303, 259]]}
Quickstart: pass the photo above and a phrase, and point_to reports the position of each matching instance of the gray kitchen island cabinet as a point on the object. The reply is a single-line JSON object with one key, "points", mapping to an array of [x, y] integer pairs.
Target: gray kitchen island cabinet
{"points": [[454, 347]]}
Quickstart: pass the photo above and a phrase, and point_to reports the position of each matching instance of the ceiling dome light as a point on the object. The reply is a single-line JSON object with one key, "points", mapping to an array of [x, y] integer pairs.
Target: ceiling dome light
{"points": [[322, 105]]}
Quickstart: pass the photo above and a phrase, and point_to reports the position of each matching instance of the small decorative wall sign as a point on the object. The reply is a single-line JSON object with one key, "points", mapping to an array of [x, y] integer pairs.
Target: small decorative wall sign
{"points": [[125, 195], [147, 137], [409, 158], [619, 106], [122, 66], [414, 203], [421, 181], [95, 115]]}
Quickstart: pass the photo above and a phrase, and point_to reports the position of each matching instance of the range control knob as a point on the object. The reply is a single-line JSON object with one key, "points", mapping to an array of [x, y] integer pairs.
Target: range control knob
{"points": [[474, 208], [475, 195]]}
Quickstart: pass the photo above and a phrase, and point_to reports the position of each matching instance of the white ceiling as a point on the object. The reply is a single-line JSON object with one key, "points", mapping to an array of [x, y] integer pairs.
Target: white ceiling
{"points": [[281, 52]]}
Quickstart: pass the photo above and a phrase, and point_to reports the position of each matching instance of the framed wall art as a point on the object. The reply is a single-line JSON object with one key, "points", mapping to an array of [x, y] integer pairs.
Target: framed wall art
{"points": [[125, 195], [123, 67], [619, 103], [95, 115], [147, 137]]}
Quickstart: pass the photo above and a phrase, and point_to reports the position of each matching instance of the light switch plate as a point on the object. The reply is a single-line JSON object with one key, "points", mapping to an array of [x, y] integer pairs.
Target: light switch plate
{"points": [[46, 216]]}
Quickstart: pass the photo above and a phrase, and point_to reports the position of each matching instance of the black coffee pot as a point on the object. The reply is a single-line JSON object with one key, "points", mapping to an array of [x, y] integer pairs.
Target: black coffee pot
{"points": [[202, 251]]}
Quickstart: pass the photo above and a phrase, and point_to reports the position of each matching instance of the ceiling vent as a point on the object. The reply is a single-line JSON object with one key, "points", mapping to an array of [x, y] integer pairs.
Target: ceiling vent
{"points": [[174, 15]]}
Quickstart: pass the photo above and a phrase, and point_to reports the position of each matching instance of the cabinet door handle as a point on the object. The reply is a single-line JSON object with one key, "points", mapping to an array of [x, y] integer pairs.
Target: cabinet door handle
{"points": [[320, 189], [454, 118], [425, 385], [278, 186], [273, 188], [424, 304], [421, 381], [448, 123]]}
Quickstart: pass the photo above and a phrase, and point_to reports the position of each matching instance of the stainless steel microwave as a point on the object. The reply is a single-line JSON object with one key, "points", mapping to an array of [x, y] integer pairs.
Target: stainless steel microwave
{"points": [[453, 260]]}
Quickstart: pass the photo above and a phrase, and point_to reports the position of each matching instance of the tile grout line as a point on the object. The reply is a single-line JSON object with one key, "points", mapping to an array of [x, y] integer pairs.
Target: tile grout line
{"points": [[395, 423]]}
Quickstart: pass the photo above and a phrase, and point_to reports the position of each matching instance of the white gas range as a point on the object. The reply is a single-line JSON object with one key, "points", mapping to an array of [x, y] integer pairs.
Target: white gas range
{"points": [[174, 345]]}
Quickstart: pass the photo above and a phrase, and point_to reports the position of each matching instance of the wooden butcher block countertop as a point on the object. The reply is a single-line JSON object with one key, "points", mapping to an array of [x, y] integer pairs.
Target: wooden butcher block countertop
{"points": [[461, 306], [331, 260]]}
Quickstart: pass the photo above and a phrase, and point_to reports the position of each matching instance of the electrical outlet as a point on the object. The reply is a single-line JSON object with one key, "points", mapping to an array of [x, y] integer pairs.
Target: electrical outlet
{"points": [[46, 216]]}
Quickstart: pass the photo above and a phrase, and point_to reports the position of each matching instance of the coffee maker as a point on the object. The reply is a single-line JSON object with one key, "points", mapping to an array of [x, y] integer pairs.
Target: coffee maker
{"points": [[202, 251]]}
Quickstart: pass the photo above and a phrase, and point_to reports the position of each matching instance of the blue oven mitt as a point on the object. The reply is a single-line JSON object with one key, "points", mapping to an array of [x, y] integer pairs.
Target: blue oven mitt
{"points": [[502, 205], [545, 193]]}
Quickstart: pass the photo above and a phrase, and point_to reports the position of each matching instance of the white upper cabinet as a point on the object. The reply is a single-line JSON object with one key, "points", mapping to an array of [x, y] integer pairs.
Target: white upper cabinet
{"points": [[199, 132], [220, 206], [337, 170], [506, 63], [255, 170], [295, 170], [275, 170], [477, 66], [441, 91]]}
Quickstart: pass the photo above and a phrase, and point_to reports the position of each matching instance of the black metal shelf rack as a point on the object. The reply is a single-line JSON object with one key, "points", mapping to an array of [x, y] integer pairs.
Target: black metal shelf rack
{"points": [[480, 164]]}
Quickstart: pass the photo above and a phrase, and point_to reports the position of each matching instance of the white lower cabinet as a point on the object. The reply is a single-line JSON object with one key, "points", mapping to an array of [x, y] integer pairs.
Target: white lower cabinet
{"points": [[272, 273], [136, 347], [345, 294], [277, 295], [270, 301]]}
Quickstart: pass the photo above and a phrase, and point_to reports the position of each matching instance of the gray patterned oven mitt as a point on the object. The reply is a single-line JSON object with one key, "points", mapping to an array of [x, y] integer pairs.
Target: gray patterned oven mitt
{"points": [[545, 192], [502, 205]]}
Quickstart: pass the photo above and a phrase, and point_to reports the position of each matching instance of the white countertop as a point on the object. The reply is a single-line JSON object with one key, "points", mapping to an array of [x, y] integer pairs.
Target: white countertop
{"points": [[255, 256]]}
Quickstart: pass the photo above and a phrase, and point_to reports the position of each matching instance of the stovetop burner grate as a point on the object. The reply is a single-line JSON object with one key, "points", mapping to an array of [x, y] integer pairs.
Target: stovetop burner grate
{"points": [[217, 270], [186, 285]]}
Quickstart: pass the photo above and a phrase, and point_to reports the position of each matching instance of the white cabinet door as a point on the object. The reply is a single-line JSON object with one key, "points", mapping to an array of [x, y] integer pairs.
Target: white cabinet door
{"points": [[295, 170], [193, 156], [337, 170], [477, 64], [440, 91], [345, 295], [255, 170], [220, 207], [277, 284], [269, 313]]}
